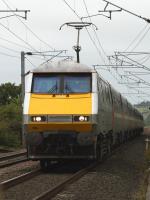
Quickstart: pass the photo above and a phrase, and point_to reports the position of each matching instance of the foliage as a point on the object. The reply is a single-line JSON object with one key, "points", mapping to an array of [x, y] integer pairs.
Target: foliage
{"points": [[143, 103], [147, 120], [9, 92], [144, 108], [10, 115]]}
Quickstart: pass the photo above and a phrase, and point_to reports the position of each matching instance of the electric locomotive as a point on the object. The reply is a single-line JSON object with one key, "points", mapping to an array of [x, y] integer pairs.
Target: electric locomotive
{"points": [[70, 112]]}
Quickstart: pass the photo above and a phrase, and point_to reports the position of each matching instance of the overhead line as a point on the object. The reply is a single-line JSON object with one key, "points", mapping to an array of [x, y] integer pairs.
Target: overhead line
{"points": [[141, 39], [28, 27], [19, 45], [18, 37], [5, 54], [9, 49], [138, 35], [99, 40], [85, 27], [31, 62], [146, 19], [95, 32]]}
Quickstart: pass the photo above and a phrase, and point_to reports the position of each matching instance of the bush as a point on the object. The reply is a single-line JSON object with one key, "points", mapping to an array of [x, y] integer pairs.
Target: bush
{"points": [[10, 124]]}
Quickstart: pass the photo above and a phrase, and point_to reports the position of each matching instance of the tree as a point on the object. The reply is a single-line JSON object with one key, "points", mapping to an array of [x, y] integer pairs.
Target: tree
{"points": [[9, 92], [10, 124]]}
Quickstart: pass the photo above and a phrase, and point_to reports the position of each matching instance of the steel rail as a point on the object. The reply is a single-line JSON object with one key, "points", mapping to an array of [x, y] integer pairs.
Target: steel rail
{"points": [[49, 194], [5, 150], [60, 187], [19, 179], [7, 164], [7, 157]]}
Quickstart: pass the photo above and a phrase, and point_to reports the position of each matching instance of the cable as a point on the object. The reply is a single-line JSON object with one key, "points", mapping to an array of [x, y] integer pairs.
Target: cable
{"points": [[95, 32], [9, 49], [18, 37], [140, 39], [9, 55], [138, 35], [28, 27], [19, 45], [87, 31], [99, 52], [31, 62]]}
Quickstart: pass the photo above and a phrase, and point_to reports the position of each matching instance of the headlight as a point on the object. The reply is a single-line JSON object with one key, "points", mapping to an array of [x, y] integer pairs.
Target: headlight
{"points": [[81, 118], [38, 118]]}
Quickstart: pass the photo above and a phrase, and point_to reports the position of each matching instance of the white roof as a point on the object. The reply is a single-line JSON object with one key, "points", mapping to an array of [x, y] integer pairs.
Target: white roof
{"points": [[62, 66]]}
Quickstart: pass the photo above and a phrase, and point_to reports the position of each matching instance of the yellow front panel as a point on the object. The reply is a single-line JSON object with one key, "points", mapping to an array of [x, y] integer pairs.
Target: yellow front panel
{"points": [[60, 104]]}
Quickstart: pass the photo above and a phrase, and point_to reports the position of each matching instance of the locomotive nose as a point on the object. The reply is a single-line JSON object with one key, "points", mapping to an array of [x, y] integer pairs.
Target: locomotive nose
{"points": [[60, 112]]}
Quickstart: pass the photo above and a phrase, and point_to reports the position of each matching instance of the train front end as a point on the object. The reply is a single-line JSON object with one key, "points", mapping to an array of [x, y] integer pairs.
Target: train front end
{"points": [[60, 110]]}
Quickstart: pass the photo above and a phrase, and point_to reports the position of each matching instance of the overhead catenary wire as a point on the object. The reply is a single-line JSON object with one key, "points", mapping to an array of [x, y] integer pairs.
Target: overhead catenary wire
{"points": [[99, 52], [101, 47], [31, 62], [12, 56], [141, 39], [9, 49], [138, 41], [134, 14], [95, 31], [14, 43], [136, 38], [97, 38], [146, 59], [29, 28], [18, 37]]}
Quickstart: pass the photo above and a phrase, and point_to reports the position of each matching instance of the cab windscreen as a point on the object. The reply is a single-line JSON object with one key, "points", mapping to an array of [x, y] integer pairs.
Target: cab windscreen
{"points": [[61, 83]]}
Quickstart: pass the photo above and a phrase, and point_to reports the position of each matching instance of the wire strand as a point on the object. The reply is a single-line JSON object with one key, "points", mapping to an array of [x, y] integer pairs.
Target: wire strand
{"points": [[95, 32], [19, 45], [137, 36], [29, 28], [5, 54], [99, 52]]}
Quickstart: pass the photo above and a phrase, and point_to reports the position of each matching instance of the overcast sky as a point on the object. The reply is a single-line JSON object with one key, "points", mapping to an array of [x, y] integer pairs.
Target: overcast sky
{"points": [[45, 18]]}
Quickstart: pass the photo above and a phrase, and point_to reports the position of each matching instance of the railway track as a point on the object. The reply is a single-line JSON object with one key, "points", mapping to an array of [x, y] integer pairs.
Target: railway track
{"points": [[52, 189], [19, 179], [49, 194], [4, 150], [12, 159], [60, 187]]}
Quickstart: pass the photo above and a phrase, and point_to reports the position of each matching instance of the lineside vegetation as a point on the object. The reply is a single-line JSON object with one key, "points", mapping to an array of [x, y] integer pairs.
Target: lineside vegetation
{"points": [[10, 115]]}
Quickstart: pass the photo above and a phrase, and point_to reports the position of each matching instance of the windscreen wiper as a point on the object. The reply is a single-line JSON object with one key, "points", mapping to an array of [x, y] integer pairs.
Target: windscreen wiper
{"points": [[53, 89], [68, 88]]}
